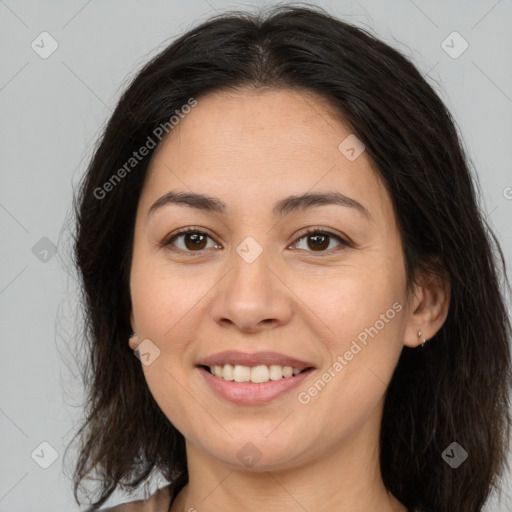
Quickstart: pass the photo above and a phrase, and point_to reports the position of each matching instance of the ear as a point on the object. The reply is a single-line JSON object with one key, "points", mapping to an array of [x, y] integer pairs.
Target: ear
{"points": [[429, 307], [133, 341]]}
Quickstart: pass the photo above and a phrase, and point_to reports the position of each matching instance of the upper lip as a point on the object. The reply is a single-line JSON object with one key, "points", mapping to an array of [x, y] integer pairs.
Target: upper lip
{"points": [[235, 357]]}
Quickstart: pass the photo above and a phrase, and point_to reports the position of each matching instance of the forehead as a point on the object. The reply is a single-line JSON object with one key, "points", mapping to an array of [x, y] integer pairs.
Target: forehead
{"points": [[253, 145]]}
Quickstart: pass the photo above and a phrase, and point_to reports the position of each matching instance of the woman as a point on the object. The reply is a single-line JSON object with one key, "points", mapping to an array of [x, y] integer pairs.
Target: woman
{"points": [[281, 211]]}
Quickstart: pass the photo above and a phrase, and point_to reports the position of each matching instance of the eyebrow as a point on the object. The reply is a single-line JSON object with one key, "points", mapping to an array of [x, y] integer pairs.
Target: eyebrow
{"points": [[282, 207]]}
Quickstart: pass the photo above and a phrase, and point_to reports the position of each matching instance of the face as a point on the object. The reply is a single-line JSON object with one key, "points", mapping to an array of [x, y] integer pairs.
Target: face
{"points": [[248, 277]]}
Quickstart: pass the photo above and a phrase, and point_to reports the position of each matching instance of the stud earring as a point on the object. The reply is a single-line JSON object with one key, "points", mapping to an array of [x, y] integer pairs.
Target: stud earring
{"points": [[424, 340]]}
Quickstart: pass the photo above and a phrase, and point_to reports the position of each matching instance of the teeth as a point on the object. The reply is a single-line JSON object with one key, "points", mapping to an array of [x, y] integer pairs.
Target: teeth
{"points": [[255, 374], [259, 373], [241, 373], [276, 372]]}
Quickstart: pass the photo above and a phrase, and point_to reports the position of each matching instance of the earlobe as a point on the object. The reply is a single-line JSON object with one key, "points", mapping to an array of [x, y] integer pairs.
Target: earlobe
{"points": [[133, 341], [423, 341]]}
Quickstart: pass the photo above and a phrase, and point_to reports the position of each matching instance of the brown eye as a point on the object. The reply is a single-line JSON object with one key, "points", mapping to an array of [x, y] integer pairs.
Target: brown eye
{"points": [[194, 241], [189, 240], [320, 241]]}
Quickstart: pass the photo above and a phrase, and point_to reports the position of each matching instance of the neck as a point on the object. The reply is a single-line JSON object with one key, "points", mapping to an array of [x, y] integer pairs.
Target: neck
{"points": [[347, 479]]}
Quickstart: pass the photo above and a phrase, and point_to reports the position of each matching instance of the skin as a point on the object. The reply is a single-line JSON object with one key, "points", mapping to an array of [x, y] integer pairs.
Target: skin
{"points": [[250, 149]]}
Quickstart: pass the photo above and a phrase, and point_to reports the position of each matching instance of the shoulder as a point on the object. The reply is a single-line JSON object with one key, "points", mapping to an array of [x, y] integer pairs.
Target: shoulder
{"points": [[159, 502]]}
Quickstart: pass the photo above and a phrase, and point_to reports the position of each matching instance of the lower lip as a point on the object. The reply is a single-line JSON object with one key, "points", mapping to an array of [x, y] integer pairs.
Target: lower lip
{"points": [[249, 393]]}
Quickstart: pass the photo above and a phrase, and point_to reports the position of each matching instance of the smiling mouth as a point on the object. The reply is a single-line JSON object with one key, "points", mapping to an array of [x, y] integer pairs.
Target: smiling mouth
{"points": [[254, 374]]}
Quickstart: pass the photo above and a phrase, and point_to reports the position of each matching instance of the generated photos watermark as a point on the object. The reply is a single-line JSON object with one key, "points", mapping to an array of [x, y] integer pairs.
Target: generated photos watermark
{"points": [[158, 133], [304, 397]]}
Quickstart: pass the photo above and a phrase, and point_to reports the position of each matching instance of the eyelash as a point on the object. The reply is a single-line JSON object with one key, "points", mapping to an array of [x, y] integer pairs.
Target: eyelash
{"points": [[168, 241]]}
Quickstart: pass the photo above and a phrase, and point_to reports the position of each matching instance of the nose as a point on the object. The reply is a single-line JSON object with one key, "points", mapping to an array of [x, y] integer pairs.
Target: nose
{"points": [[252, 297]]}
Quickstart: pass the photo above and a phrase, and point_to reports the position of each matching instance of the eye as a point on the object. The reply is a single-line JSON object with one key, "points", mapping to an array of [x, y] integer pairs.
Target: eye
{"points": [[319, 240], [192, 240]]}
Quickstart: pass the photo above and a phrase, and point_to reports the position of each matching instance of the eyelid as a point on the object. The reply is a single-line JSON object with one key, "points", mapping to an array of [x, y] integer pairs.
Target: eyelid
{"points": [[182, 231], [344, 241], [320, 229]]}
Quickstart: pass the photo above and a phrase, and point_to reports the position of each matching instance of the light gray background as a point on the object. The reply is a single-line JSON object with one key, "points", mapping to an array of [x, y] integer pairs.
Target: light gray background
{"points": [[52, 112]]}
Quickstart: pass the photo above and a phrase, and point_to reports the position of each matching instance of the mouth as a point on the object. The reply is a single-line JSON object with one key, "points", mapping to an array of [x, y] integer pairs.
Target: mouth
{"points": [[258, 385], [252, 378]]}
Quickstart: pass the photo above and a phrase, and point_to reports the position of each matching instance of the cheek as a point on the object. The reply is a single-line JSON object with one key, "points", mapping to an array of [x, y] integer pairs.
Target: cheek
{"points": [[166, 386], [161, 297], [359, 317], [350, 301]]}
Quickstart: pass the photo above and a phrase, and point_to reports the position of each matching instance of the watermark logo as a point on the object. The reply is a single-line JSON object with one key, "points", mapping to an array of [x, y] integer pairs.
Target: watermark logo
{"points": [[44, 250], [249, 250], [44, 455], [454, 45], [147, 352], [249, 455], [351, 147], [44, 45], [454, 455]]}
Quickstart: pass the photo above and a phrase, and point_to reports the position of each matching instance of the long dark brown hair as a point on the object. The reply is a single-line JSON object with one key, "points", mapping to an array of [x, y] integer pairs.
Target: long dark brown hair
{"points": [[455, 389]]}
